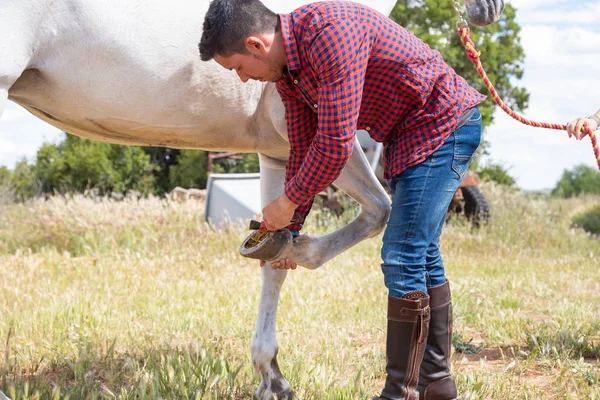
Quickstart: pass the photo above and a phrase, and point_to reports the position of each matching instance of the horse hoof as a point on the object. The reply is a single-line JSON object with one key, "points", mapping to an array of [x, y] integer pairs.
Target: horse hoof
{"points": [[268, 395], [267, 245], [287, 395]]}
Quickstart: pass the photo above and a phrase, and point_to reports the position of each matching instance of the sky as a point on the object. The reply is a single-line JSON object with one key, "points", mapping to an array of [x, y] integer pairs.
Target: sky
{"points": [[561, 39]]}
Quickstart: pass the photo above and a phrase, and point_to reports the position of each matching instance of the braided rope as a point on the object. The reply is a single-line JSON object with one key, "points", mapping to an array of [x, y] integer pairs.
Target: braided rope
{"points": [[465, 34]]}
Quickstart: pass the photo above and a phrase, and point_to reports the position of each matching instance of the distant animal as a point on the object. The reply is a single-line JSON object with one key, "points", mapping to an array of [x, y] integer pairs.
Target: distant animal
{"points": [[181, 194]]}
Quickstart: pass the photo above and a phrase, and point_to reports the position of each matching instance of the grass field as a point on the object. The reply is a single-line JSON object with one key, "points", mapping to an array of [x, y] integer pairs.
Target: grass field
{"points": [[143, 300]]}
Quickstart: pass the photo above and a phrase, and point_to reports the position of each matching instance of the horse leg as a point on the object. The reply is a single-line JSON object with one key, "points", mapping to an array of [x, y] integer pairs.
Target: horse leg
{"points": [[6, 81], [357, 180], [264, 343], [3, 98], [16, 37], [7, 78]]}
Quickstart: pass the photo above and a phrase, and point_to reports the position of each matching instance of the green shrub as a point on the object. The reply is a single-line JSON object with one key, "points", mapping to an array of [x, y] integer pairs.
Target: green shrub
{"points": [[589, 221], [5, 175], [190, 171], [580, 180], [23, 181], [496, 173]]}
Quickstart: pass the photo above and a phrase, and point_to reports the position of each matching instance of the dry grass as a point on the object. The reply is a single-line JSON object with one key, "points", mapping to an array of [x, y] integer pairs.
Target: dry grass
{"points": [[141, 299]]}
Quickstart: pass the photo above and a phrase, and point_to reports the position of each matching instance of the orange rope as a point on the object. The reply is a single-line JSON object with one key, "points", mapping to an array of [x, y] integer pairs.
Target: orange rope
{"points": [[464, 33]]}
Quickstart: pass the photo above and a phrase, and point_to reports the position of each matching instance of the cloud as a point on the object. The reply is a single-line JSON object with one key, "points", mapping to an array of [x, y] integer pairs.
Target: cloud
{"points": [[557, 12], [561, 77], [278, 6], [6, 147], [527, 5], [547, 45], [21, 135], [12, 113], [536, 157], [546, 5]]}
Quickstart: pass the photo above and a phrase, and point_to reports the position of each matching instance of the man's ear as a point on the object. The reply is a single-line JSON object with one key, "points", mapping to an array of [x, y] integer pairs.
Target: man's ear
{"points": [[256, 45]]}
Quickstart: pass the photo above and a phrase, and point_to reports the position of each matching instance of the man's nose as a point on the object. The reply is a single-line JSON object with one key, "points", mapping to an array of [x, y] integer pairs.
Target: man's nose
{"points": [[243, 77]]}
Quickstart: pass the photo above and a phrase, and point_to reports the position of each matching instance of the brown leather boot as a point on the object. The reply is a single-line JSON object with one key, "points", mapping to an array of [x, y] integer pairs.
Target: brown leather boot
{"points": [[435, 380], [408, 324]]}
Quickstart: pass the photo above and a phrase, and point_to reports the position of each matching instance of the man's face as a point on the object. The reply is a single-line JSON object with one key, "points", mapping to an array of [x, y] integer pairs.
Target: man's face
{"points": [[250, 66]]}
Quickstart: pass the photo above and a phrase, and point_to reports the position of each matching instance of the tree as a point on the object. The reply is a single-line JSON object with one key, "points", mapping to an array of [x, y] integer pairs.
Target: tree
{"points": [[24, 182], [132, 169], [580, 180], [496, 173], [245, 163], [51, 168], [190, 170], [5, 175], [434, 21], [77, 164], [163, 158], [7, 195]]}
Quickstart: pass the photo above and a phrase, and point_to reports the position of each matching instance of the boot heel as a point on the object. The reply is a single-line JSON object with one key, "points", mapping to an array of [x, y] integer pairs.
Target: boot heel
{"points": [[435, 379], [407, 333]]}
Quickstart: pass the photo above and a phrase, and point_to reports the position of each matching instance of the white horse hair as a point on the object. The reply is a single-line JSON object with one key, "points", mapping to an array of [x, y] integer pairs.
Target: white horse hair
{"points": [[129, 72]]}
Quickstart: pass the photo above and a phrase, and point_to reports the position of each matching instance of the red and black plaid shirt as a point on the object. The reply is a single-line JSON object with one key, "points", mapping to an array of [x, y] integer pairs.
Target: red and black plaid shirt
{"points": [[348, 68]]}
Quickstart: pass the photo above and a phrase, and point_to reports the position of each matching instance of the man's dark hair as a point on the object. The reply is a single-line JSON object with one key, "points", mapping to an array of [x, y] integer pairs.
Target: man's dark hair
{"points": [[229, 22]]}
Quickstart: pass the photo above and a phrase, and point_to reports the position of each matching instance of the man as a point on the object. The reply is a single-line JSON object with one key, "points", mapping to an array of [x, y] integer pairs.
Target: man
{"points": [[339, 67]]}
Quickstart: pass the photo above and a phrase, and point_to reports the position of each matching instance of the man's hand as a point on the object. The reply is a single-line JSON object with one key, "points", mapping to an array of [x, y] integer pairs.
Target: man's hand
{"points": [[286, 263], [575, 128], [278, 214]]}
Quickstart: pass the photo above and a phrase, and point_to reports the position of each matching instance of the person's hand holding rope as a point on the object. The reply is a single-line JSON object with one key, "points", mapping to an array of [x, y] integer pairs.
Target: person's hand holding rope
{"points": [[580, 129], [575, 128]]}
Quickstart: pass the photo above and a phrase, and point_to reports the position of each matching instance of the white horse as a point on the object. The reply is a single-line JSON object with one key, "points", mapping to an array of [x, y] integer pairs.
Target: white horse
{"points": [[129, 72]]}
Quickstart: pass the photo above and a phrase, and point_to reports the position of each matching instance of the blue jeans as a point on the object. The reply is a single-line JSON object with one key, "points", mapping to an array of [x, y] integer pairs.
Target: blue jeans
{"points": [[420, 199]]}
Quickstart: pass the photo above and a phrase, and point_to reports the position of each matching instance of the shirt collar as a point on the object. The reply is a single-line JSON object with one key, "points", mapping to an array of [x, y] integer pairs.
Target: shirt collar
{"points": [[289, 42]]}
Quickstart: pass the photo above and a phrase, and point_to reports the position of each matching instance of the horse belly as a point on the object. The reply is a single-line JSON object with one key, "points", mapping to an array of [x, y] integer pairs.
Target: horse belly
{"points": [[196, 115]]}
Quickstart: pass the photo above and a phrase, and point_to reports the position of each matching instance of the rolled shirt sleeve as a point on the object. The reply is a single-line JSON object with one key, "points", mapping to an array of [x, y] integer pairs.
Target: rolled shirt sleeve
{"points": [[339, 55], [302, 127]]}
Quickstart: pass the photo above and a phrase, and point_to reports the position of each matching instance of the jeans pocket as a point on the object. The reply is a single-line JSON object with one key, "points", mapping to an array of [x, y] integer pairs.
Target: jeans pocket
{"points": [[475, 118], [466, 142]]}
